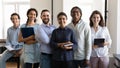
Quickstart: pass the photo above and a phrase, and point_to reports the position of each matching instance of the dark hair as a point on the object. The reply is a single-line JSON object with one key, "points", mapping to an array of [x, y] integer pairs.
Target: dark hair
{"points": [[62, 13], [15, 14], [32, 9], [76, 7], [101, 23], [45, 10], [29, 10]]}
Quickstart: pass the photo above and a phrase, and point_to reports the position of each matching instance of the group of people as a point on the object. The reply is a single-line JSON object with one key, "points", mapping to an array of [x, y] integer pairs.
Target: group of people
{"points": [[68, 46]]}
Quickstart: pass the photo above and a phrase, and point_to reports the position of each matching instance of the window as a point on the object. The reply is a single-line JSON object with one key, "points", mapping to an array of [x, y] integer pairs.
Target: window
{"points": [[87, 6], [7, 8]]}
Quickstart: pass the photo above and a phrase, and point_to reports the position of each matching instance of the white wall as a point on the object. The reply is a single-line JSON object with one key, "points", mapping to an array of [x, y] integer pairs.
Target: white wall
{"points": [[118, 27], [1, 21], [40, 5], [46, 4], [113, 24], [57, 7]]}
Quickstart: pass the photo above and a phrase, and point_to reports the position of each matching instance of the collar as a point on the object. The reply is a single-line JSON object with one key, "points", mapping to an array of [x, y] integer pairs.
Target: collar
{"points": [[46, 25], [79, 22], [14, 27], [65, 28]]}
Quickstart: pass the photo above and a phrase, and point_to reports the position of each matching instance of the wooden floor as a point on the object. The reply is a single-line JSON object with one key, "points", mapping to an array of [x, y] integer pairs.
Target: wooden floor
{"points": [[11, 65]]}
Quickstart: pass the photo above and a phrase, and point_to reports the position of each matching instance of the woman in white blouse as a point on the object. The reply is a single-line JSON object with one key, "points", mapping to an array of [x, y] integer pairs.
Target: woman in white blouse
{"points": [[99, 56]]}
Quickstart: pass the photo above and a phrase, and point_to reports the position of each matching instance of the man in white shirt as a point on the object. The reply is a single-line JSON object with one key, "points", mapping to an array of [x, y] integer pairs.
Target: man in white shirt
{"points": [[83, 37]]}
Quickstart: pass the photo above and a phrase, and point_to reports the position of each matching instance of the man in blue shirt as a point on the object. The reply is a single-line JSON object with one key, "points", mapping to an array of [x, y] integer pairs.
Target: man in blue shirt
{"points": [[12, 41], [43, 36]]}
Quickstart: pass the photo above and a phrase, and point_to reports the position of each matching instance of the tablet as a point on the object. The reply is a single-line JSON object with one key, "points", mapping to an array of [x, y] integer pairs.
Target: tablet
{"points": [[99, 41]]}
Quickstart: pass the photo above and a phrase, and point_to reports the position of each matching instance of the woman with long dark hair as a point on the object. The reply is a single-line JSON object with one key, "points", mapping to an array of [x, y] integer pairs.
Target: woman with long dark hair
{"points": [[31, 47]]}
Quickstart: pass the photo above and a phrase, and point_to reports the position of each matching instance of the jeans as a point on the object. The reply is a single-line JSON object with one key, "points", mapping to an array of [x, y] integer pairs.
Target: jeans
{"points": [[31, 65], [5, 56], [45, 60]]}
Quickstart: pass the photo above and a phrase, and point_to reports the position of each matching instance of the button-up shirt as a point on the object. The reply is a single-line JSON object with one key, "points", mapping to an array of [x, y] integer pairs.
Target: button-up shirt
{"points": [[101, 33], [61, 35], [12, 38], [83, 35], [43, 36]]}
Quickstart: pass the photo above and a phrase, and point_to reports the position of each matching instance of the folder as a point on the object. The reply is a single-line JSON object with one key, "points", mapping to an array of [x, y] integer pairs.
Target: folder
{"points": [[99, 41], [28, 31]]}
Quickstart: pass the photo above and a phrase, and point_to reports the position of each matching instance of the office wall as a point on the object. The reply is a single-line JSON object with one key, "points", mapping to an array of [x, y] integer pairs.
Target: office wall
{"points": [[113, 21], [1, 20], [113, 25], [118, 25], [40, 5], [86, 6], [57, 7]]}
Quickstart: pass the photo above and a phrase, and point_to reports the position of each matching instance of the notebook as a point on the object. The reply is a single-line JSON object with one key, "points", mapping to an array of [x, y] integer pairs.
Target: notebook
{"points": [[99, 41], [70, 44], [26, 32], [16, 47]]}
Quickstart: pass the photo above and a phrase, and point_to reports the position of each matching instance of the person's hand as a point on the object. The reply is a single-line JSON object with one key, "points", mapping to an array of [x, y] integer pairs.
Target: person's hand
{"points": [[105, 43], [31, 41], [95, 46], [67, 47], [62, 45], [18, 53], [13, 51], [87, 63]]}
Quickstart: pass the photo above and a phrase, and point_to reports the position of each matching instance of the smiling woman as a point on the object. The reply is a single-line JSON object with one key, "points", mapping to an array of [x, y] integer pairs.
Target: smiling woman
{"points": [[60, 42]]}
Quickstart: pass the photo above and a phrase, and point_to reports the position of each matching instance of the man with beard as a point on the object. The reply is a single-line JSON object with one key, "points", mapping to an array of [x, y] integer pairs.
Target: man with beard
{"points": [[43, 37]]}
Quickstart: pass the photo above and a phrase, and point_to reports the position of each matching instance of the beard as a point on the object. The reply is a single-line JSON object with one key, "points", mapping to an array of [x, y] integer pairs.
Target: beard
{"points": [[45, 21]]}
